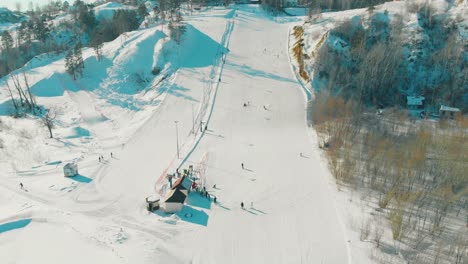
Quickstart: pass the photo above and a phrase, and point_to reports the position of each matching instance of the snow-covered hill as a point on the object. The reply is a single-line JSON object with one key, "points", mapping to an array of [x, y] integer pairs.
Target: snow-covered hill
{"points": [[226, 101]]}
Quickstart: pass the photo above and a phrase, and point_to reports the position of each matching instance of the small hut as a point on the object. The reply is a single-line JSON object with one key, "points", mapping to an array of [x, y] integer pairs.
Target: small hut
{"points": [[448, 112], [70, 170], [152, 203], [415, 102], [175, 201]]}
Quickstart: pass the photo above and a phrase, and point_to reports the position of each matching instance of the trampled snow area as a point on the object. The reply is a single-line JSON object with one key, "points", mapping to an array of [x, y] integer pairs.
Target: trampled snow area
{"points": [[228, 57]]}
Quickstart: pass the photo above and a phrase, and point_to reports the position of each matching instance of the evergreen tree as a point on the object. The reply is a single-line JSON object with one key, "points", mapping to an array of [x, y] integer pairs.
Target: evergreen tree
{"points": [[41, 29], [7, 41], [70, 64], [78, 59], [97, 43], [142, 11]]}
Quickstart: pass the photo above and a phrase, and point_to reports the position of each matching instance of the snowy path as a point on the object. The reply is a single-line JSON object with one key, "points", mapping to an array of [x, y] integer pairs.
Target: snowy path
{"points": [[293, 219]]}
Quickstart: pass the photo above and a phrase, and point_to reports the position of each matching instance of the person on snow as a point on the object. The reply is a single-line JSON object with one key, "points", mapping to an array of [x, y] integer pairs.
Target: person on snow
{"points": [[21, 185], [245, 104], [242, 205], [264, 107], [99, 158], [242, 164], [214, 200], [112, 155]]}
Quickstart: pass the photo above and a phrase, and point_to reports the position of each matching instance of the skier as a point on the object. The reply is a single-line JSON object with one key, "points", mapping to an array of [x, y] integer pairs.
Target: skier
{"points": [[214, 200], [242, 205], [21, 185], [242, 164], [245, 104], [112, 155], [264, 107]]}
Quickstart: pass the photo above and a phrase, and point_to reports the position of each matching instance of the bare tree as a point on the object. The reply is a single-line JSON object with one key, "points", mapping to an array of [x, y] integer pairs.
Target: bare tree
{"points": [[49, 119]]}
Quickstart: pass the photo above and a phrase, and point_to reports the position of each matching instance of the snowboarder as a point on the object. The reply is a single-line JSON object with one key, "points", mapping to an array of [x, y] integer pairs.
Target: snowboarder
{"points": [[242, 205], [242, 164], [21, 185]]}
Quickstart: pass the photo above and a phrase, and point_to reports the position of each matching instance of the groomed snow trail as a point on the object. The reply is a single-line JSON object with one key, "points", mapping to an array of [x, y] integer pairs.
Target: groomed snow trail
{"points": [[293, 218]]}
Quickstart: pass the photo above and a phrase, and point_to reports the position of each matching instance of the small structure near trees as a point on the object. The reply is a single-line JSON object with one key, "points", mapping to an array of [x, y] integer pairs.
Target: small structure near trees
{"points": [[448, 112], [415, 102], [70, 170]]}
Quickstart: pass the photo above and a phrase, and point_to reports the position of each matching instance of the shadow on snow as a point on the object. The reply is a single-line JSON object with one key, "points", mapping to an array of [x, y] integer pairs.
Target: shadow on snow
{"points": [[81, 178], [195, 199], [14, 225], [191, 215]]}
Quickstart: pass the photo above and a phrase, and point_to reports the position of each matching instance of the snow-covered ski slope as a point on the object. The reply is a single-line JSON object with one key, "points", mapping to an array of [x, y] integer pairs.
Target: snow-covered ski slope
{"points": [[228, 57]]}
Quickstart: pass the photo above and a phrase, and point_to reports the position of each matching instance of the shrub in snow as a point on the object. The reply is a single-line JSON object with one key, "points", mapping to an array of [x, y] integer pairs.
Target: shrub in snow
{"points": [[156, 70]]}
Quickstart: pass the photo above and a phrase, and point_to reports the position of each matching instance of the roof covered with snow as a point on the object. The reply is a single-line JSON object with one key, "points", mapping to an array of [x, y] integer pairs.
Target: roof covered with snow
{"points": [[415, 100], [449, 109]]}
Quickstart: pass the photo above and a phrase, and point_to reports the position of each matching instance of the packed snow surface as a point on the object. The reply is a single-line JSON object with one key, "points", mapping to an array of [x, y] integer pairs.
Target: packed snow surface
{"points": [[228, 58]]}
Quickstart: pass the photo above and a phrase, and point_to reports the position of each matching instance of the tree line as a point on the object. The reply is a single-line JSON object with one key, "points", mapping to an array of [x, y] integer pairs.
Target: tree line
{"points": [[414, 174], [380, 66]]}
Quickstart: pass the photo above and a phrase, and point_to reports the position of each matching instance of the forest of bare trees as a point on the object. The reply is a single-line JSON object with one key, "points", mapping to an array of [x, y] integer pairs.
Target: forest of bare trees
{"points": [[413, 173]]}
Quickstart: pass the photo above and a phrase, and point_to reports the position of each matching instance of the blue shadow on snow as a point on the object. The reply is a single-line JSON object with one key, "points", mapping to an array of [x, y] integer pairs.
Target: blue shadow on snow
{"points": [[195, 199], [14, 225], [79, 132], [191, 215], [198, 49], [254, 72], [81, 178]]}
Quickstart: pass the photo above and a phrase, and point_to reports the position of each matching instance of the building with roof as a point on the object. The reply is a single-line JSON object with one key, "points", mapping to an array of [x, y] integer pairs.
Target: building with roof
{"points": [[415, 102], [183, 183], [448, 112], [175, 200]]}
